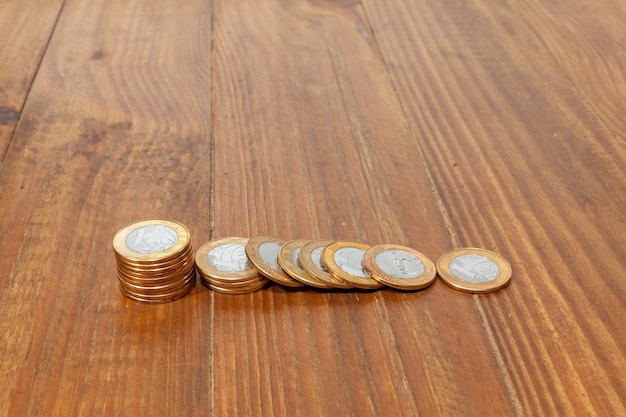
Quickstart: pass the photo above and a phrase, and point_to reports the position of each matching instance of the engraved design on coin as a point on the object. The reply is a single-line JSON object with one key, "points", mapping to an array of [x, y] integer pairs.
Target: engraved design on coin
{"points": [[294, 257], [349, 260], [230, 257], [151, 239], [474, 268], [316, 257], [268, 251], [400, 264]]}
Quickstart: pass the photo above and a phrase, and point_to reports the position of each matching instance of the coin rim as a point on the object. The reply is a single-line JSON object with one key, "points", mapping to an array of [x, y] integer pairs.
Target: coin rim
{"points": [[502, 280], [311, 268], [292, 269], [417, 283], [125, 253], [328, 260], [278, 276]]}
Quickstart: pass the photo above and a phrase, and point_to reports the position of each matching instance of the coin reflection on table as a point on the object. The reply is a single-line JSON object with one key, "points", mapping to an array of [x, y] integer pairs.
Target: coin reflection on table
{"points": [[154, 260], [399, 267], [343, 260], [474, 270], [224, 267]]}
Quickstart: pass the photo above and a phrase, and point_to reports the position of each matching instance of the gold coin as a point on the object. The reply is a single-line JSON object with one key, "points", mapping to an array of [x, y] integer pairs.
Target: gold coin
{"points": [[234, 284], [155, 267], [343, 261], [474, 270], [157, 300], [399, 267], [263, 253], [151, 241], [239, 290], [225, 259], [288, 260], [310, 258]]}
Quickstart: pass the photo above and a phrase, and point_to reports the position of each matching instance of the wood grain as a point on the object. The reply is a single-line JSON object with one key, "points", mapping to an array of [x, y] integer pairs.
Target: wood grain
{"points": [[25, 28], [524, 166], [116, 128], [311, 142]]}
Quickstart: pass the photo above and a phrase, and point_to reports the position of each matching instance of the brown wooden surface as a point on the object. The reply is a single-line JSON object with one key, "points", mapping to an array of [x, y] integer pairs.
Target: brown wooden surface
{"points": [[430, 124]]}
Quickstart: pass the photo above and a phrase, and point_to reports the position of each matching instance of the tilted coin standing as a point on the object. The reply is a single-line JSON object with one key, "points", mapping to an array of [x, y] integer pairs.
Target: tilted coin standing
{"points": [[344, 261], [310, 258], [474, 270], [154, 260], [399, 267], [263, 253], [288, 260], [224, 266]]}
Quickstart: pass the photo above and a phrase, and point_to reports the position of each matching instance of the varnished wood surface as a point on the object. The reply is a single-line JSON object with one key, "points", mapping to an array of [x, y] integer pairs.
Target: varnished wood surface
{"points": [[429, 124]]}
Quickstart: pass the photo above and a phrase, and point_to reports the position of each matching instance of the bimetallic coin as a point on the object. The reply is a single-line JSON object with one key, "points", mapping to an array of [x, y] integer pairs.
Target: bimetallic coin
{"points": [[399, 267], [151, 241], [474, 270], [343, 261], [288, 260], [310, 258], [225, 259], [263, 253]]}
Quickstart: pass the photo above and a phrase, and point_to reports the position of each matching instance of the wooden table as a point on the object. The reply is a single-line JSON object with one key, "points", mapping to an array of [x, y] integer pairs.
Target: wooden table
{"points": [[432, 124]]}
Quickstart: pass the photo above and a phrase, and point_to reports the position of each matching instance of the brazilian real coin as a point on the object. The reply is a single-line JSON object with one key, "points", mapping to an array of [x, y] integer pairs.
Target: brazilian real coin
{"points": [[399, 267], [474, 270], [310, 258], [344, 261], [224, 266], [150, 242], [288, 260], [263, 253]]}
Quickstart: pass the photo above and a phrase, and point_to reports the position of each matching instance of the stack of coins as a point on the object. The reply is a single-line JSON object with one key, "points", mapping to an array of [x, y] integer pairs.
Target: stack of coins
{"points": [[224, 267], [155, 261]]}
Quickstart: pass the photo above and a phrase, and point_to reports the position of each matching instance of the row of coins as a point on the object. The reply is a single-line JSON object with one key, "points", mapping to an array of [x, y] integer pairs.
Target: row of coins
{"points": [[155, 261], [238, 265]]}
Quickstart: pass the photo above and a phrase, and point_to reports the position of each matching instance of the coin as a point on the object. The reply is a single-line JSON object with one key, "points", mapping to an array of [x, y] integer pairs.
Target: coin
{"points": [[154, 260], [225, 259], [288, 260], [151, 241], [310, 258], [263, 253], [343, 261], [474, 270], [399, 267], [236, 291]]}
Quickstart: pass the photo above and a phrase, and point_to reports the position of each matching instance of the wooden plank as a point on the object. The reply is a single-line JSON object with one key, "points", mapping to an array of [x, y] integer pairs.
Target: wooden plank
{"points": [[526, 167], [311, 142], [116, 129], [25, 28]]}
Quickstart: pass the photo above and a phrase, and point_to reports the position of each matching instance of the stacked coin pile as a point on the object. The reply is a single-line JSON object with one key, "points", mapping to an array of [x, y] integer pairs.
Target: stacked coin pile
{"points": [[155, 261], [224, 267]]}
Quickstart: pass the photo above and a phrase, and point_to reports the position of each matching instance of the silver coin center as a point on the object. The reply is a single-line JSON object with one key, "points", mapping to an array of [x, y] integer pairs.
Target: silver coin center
{"points": [[295, 257], [349, 260], [316, 257], [399, 264], [268, 251], [229, 257], [151, 239], [474, 268]]}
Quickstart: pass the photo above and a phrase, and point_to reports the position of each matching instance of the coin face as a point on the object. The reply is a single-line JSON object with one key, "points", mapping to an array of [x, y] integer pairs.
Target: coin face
{"points": [[310, 258], [263, 253], [225, 259], [399, 267], [344, 261], [474, 270], [150, 241], [288, 259]]}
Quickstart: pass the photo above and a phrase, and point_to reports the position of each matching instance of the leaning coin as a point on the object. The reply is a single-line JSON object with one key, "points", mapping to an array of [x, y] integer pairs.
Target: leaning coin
{"points": [[288, 260], [310, 258], [343, 261], [474, 270], [225, 259], [263, 253], [399, 267]]}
